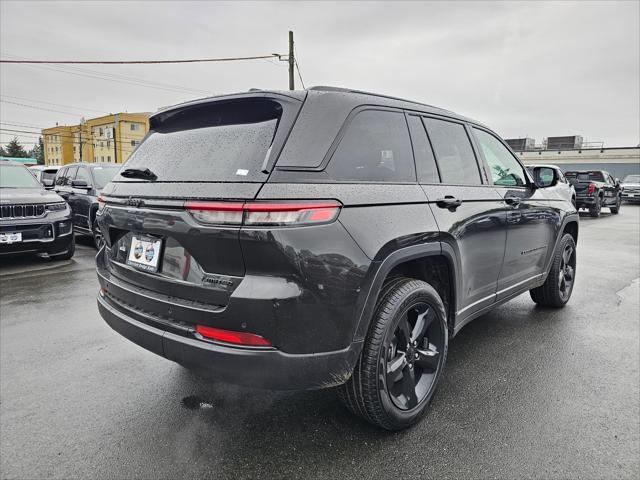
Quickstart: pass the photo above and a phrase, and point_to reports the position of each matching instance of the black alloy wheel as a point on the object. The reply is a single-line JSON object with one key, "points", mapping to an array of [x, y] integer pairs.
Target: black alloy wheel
{"points": [[412, 356], [556, 290], [98, 238], [566, 274], [402, 358]]}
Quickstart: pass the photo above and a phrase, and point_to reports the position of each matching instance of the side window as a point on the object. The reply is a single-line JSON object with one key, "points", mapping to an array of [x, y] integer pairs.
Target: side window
{"points": [[60, 177], [456, 161], [83, 174], [505, 169], [71, 175], [425, 161], [375, 148]]}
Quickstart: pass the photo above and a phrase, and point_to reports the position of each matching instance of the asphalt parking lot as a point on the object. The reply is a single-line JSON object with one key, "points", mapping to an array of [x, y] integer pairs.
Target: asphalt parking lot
{"points": [[528, 392]]}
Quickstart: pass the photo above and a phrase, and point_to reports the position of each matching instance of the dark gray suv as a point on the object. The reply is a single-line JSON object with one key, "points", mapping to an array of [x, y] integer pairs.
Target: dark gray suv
{"points": [[325, 238]]}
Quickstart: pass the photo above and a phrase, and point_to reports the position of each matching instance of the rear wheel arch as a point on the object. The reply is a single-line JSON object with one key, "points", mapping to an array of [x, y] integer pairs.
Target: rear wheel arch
{"points": [[428, 262]]}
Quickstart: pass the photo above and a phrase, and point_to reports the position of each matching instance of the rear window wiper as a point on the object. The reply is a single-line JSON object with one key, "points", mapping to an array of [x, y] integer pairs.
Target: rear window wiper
{"points": [[143, 173]]}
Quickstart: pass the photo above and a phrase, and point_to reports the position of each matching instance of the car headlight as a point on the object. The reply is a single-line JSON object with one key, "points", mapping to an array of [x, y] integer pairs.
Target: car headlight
{"points": [[56, 207]]}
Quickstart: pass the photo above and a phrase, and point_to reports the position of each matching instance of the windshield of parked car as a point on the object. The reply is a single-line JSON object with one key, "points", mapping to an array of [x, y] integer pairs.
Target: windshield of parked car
{"points": [[103, 175], [17, 176], [631, 179]]}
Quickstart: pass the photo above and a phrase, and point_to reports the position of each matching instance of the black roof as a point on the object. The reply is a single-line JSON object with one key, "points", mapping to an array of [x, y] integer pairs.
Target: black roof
{"points": [[347, 96]]}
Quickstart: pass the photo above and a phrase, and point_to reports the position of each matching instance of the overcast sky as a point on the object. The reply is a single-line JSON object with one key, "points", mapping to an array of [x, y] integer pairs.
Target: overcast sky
{"points": [[525, 69]]}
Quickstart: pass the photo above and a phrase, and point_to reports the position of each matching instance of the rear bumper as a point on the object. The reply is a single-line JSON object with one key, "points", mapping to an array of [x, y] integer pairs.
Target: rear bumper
{"points": [[262, 368]]}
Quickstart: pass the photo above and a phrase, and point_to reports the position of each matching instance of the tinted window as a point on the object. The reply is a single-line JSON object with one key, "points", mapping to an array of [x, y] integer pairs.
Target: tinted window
{"points": [[15, 176], [104, 175], [48, 175], [586, 176], [71, 175], [455, 157], [505, 169], [223, 141], [83, 174], [375, 148], [425, 161]]}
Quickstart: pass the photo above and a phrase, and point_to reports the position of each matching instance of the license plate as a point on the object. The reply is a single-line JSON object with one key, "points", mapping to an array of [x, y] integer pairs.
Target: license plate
{"points": [[631, 194], [13, 237], [144, 253]]}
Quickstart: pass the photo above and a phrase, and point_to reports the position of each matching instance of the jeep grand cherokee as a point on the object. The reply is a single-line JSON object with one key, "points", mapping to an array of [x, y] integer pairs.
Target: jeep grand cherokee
{"points": [[325, 238]]}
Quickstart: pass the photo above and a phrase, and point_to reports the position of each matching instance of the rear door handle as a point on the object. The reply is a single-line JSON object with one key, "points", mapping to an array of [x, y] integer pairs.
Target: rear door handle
{"points": [[449, 202], [513, 201]]}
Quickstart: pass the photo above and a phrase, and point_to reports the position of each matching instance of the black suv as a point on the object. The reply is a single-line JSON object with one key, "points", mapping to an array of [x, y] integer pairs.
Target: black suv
{"points": [[32, 219], [321, 238], [80, 184]]}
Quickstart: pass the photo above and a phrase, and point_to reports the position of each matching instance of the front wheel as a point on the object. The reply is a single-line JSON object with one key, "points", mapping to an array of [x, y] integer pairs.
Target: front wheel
{"points": [[98, 238], [556, 290], [616, 209], [597, 207], [402, 358]]}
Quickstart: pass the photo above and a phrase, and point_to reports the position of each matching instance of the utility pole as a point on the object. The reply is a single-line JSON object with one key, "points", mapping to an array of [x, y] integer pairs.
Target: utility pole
{"points": [[292, 63], [80, 137], [115, 134]]}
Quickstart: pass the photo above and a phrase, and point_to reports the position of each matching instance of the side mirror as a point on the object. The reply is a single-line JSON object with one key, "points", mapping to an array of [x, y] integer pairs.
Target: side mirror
{"points": [[545, 177], [80, 184], [47, 182]]}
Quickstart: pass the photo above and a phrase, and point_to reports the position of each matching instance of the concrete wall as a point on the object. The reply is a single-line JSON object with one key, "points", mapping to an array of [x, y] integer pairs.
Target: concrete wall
{"points": [[617, 161]]}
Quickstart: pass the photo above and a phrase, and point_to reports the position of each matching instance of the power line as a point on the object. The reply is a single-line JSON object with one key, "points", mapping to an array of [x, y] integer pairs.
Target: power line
{"points": [[38, 108], [54, 104], [138, 62]]}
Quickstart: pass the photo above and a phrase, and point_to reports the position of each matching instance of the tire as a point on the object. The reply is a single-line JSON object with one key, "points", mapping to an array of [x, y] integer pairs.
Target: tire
{"points": [[403, 356], [556, 290], [597, 208], [66, 255], [98, 239], [616, 210]]}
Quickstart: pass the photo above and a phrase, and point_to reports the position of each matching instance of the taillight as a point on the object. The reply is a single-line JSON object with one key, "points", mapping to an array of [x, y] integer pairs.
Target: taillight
{"points": [[101, 204], [265, 213], [591, 188], [219, 213], [236, 338]]}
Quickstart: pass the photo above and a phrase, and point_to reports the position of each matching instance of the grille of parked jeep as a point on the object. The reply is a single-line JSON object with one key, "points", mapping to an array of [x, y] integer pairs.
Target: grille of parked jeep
{"points": [[28, 210]]}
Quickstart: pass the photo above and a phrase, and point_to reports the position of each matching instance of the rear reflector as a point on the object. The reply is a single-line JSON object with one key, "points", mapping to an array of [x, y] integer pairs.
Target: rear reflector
{"points": [[237, 338], [265, 213]]}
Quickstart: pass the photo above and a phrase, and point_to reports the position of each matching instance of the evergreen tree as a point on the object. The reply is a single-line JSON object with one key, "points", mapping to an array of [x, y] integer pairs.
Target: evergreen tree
{"points": [[2, 152], [14, 149]]}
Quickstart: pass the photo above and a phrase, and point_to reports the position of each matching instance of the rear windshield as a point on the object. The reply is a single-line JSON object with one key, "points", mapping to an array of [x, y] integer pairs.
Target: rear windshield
{"points": [[215, 142], [16, 176], [103, 175], [585, 176]]}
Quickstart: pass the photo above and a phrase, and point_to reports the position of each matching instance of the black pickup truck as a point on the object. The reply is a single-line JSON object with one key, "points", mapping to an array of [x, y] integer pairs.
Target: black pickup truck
{"points": [[596, 189]]}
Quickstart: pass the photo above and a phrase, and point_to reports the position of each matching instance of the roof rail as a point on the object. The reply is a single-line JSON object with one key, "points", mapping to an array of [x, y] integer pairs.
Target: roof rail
{"points": [[323, 88]]}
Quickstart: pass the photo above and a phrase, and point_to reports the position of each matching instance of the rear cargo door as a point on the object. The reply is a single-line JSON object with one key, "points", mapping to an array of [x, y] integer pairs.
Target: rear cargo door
{"points": [[159, 237]]}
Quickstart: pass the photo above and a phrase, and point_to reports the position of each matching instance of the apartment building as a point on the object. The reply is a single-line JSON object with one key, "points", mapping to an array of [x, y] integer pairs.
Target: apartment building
{"points": [[110, 139]]}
